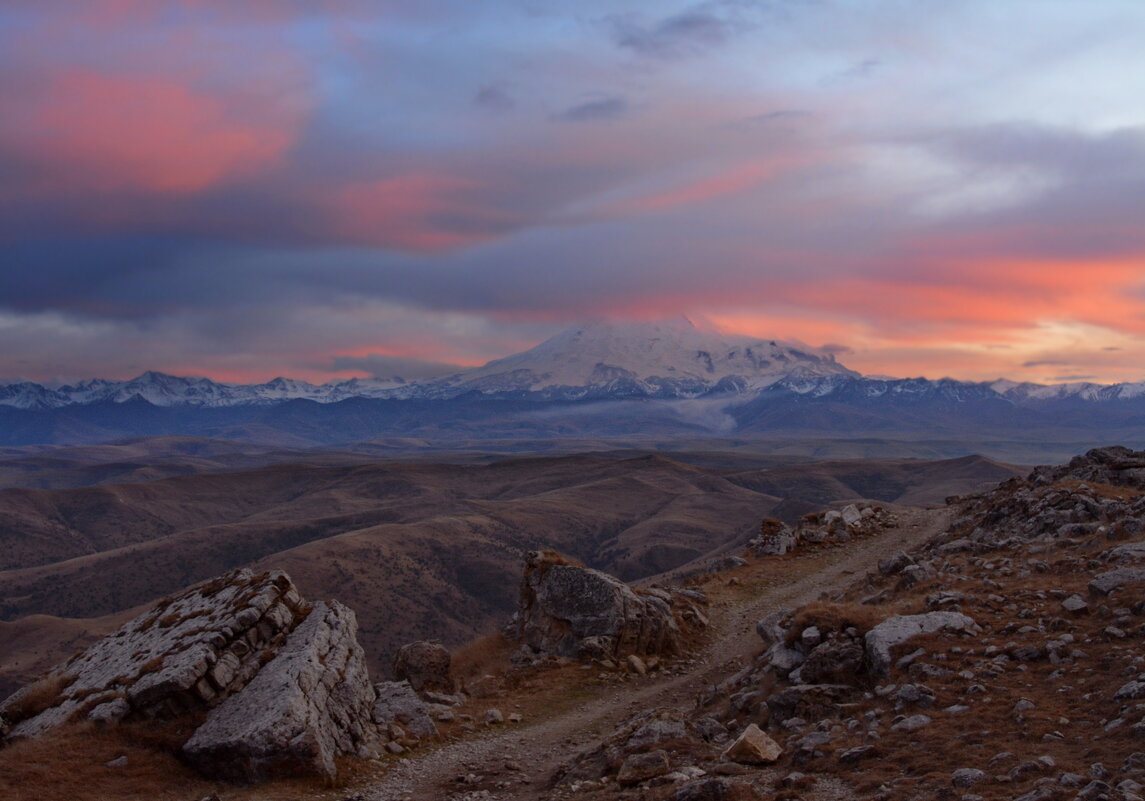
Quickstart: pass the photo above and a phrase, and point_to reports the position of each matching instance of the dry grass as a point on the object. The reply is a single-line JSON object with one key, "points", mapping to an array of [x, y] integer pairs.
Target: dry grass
{"points": [[1108, 491], [44, 694], [837, 617], [483, 656], [71, 763]]}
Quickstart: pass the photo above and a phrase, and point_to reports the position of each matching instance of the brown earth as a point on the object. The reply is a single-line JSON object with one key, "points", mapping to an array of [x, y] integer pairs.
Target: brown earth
{"points": [[418, 550], [574, 711]]}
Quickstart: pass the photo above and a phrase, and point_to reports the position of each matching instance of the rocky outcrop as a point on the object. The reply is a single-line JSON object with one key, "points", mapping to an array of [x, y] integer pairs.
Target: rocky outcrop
{"points": [[900, 628], [853, 520], [425, 665], [187, 653], [312, 702], [285, 681], [1113, 464], [569, 610]]}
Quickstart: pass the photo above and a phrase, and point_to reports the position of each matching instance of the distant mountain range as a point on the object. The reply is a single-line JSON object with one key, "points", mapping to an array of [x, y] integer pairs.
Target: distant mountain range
{"points": [[710, 383]]}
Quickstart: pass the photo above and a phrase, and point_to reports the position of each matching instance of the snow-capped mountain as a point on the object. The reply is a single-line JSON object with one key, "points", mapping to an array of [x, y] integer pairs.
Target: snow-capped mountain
{"points": [[669, 360]]}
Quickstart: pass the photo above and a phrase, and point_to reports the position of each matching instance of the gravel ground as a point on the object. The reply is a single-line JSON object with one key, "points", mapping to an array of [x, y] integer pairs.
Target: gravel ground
{"points": [[516, 764]]}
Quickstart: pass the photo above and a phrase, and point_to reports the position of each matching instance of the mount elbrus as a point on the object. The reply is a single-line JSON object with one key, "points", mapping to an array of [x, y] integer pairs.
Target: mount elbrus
{"points": [[583, 381]]}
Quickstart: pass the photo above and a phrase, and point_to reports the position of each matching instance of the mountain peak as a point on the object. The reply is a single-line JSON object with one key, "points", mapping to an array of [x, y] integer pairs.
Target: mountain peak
{"points": [[672, 357]]}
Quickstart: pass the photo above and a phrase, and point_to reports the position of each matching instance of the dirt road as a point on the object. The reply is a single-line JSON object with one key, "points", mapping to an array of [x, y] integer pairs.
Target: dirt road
{"points": [[538, 748]]}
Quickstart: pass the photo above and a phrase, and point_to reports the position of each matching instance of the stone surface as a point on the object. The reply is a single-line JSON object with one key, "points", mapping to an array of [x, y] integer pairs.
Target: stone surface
{"points": [[838, 659], [1075, 604], [308, 705], [715, 789], [425, 665], [562, 604], [1129, 552], [808, 701], [851, 515], [1130, 691], [754, 747], [641, 767], [396, 702], [188, 652], [900, 628], [1106, 583], [912, 723]]}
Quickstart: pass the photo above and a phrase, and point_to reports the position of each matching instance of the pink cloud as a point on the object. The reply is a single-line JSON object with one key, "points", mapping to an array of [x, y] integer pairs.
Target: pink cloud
{"points": [[82, 130], [419, 211], [731, 181]]}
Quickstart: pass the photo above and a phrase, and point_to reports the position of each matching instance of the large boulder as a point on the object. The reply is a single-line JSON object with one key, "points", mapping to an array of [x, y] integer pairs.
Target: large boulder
{"points": [[900, 628], [425, 665], [563, 604], [311, 703], [188, 652]]}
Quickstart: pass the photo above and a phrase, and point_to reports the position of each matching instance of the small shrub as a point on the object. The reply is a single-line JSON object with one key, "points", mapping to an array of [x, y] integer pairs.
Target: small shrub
{"points": [[836, 617]]}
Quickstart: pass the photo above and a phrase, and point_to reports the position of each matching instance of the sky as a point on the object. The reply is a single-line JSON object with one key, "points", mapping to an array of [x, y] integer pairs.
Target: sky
{"points": [[329, 188]]}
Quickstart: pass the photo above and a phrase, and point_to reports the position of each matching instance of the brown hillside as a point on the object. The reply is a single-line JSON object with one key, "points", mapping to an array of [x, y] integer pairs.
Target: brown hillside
{"points": [[418, 550]]}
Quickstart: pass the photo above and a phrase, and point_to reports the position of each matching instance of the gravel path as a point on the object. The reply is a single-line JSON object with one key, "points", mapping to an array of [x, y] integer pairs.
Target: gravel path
{"points": [[534, 751]]}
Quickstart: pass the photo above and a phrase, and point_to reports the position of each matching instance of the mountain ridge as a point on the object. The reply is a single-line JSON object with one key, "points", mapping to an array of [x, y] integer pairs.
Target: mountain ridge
{"points": [[646, 384], [664, 359]]}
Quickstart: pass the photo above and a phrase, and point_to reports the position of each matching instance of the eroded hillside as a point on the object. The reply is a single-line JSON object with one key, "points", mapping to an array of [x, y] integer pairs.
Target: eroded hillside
{"points": [[418, 550]]}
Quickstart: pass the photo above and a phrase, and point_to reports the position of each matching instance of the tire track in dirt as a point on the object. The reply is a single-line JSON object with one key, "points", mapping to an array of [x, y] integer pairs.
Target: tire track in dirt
{"points": [[541, 747]]}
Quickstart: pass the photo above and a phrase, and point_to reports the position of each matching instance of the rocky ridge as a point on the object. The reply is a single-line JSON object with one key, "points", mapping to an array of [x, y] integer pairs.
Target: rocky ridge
{"points": [[999, 660]]}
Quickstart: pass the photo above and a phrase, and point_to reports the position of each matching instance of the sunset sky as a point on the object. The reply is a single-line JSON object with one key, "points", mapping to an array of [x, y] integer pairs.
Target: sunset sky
{"points": [[327, 188]]}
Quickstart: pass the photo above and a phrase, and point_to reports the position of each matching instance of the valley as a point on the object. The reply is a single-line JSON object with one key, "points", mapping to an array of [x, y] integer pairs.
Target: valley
{"points": [[984, 644], [418, 549]]}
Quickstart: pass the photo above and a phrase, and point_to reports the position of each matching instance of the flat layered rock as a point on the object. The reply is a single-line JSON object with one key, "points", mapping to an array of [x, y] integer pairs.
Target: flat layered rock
{"points": [[188, 652], [311, 703]]}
